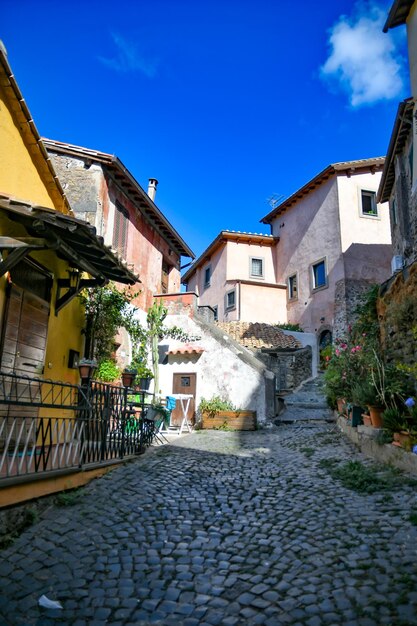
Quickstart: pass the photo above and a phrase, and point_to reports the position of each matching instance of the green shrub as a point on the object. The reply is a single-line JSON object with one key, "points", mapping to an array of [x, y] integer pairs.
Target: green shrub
{"points": [[213, 406], [108, 371]]}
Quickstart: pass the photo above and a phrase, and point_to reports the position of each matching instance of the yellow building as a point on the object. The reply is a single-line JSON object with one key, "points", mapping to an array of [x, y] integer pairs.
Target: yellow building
{"points": [[47, 255]]}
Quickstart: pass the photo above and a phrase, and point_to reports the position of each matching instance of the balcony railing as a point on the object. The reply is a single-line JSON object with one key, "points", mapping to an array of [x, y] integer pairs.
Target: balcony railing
{"points": [[48, 426]]}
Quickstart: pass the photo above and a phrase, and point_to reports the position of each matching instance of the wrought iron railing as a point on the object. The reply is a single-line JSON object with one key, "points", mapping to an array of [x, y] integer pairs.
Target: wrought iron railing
{"points": [[48, 426]]}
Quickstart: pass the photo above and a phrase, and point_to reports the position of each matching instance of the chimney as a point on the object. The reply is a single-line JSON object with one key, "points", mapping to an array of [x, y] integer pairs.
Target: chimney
{"points": [[152, 188]]}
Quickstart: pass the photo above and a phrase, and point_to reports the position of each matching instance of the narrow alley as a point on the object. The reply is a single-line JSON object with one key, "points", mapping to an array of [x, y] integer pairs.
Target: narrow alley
{"points": [[224, 528]]}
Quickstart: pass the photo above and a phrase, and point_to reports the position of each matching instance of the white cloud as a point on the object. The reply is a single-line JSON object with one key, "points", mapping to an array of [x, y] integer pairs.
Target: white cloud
{"points": [[363, 59], [128, 59]]}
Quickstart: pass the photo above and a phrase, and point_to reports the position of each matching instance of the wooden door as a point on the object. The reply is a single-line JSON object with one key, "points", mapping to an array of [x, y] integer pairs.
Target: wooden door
{"points": [[25, 333], [186, 384]]}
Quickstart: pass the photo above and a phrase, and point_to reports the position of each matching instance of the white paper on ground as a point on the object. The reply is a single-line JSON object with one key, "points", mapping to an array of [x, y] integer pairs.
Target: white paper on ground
{"points": [[49, 604]]}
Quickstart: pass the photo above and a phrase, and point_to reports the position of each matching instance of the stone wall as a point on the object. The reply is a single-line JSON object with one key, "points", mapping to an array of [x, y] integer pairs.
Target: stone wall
{"points": [[348, 296], [81, 183], [397, 310], [291, 367]]}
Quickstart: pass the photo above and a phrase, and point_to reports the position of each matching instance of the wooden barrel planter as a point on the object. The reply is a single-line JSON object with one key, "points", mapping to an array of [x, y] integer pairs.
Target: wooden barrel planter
{"points": [[232, 420]]}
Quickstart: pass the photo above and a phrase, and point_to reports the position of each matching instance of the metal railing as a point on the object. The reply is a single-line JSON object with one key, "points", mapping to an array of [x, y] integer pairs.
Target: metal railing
{"points": [[48, 426]]}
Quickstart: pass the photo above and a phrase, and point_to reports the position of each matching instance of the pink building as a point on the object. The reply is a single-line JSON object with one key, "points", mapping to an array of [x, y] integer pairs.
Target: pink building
{"points": [[329, 242], [237, 277], [103, 192]]}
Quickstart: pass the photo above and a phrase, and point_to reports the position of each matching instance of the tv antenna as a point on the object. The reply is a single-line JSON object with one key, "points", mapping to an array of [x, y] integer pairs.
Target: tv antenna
{"points": [[275, 200]]}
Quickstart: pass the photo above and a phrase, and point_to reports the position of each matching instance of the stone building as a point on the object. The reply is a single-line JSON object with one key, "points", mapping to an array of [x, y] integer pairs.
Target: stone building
{"points": [[398, 301]]}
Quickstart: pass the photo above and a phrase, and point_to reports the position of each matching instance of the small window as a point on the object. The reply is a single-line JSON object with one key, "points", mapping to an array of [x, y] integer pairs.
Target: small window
{"points": [[257, 267], [230, 300], [185, 381], [216, 312], [318, 275], [121, 223], [292, 287], [369, 208], [394, 218], [207, 276]]}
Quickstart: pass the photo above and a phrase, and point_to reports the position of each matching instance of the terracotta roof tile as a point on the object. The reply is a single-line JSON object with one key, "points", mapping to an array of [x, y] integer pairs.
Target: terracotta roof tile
{"points": [[256, 335]]}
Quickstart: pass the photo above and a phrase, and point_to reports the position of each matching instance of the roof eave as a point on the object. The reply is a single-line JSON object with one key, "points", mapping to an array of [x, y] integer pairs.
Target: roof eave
{"points": [[23, 110], [388, 175], [222, 237], [349, 167], [398, 14]]}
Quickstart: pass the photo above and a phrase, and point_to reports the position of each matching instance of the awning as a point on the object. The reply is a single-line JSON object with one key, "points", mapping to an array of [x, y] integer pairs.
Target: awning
{"points": [[189, 350], [72, 239]]}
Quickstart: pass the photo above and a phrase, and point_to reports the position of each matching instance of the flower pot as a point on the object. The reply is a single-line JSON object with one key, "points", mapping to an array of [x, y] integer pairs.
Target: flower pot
{"points": [[355, 415], [366, 419], [144, 383], [375, 413], [403, 439], [341, 406], [232, 420]]}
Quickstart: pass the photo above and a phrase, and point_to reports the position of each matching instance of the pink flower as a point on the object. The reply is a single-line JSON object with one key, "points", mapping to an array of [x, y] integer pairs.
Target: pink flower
{"points": [[337, 352]]}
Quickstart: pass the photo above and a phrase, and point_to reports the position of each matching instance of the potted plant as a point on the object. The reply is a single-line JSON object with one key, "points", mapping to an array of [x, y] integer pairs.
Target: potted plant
{"points": [[364, 393], [128, 376], [144, 377], [218, 413]]}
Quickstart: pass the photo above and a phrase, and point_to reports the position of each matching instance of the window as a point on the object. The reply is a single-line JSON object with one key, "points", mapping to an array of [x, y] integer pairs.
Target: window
{"points": [[292, 287], [230, 300], [369, 208], [121, 223], [394, 218], [256, 267], [165, 277], [318, 275], [207, 276], [216, 312]]}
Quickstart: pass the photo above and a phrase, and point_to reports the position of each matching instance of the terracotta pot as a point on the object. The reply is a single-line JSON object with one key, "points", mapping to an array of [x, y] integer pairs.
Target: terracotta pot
{"points": [[366, 419], [403, 439], [375, 413], [341, 406]]}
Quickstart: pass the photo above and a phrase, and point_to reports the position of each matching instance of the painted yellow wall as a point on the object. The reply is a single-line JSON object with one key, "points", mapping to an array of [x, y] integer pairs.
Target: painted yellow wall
{"points": [[20, 176], [23, 176]]}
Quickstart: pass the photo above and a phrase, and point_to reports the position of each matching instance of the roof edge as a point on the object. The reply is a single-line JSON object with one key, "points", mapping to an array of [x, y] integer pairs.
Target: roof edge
{"points": [[349, 167], [112, 160], [223, 236]]}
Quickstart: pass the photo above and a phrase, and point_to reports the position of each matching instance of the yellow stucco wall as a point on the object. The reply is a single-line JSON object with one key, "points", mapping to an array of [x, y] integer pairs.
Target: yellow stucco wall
{"points": [[20, 176], [24, 174]]}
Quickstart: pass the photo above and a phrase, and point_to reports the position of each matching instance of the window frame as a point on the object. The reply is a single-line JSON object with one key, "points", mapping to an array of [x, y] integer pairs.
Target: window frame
{"points": [[262, 260], [315, 288], [120, 228], [230, 307], [291, 288], [372, 195], [207, 282]]}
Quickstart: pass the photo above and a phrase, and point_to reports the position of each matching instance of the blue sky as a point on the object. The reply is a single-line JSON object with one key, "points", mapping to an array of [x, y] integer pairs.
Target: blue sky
{"points": [[226, 102]]}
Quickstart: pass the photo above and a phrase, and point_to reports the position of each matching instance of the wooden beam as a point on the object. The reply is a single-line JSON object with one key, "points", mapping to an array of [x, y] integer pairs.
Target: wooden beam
{"points": [[10, 243], [13, 258]]}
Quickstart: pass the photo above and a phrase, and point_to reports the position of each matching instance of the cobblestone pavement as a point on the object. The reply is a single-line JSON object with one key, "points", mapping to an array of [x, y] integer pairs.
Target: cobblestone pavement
{"points": [[222, 528]]}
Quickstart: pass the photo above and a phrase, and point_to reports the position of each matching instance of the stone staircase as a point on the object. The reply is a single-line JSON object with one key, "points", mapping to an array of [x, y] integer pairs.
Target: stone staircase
{"points": [[306, 404]]}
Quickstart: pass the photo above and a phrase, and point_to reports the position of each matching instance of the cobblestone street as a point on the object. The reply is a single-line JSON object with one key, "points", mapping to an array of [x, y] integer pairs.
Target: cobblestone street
{"points": [[222, 528]]}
